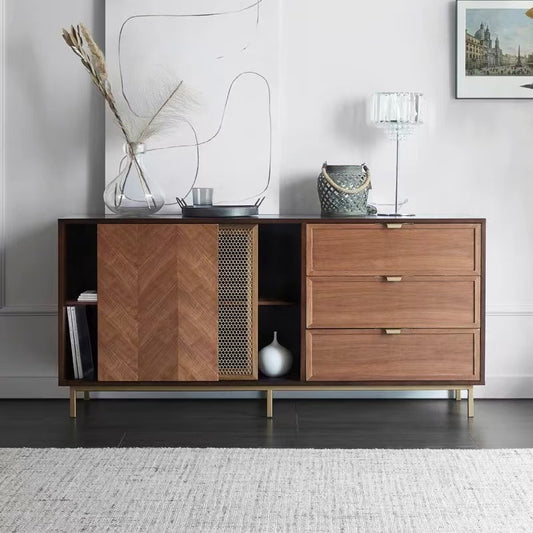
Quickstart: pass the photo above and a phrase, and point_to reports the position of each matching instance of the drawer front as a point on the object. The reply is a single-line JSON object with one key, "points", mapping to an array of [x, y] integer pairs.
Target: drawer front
{"points": [[413, 302], [368, 249], [413, 355]]}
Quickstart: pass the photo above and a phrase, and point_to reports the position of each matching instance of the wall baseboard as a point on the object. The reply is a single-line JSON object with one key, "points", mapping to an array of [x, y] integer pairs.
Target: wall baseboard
{"points": [[47, 388], [31, 387], [506, 387], [51, 310], [28, 310], [510, 310]]}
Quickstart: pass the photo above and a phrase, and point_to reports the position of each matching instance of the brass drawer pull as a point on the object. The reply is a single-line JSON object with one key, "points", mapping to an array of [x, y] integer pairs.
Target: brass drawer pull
{"points": [[393, 331], [394, 226], [393, 278]]}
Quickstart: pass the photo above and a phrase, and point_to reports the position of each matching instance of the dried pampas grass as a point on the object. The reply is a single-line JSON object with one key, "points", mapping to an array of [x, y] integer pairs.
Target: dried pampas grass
{"points": [[167, 109], [96, 54], [163, 108], [94, 62]]}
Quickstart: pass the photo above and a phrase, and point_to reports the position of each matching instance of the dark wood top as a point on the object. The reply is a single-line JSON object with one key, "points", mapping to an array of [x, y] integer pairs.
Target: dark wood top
{"points": [[266, 219]]}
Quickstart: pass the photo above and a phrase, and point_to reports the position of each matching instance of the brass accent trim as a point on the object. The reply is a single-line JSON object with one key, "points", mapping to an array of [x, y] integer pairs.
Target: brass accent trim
{"points": [[227, 388], [73, 401], [269, 389], [238, 302], [393, 278], [394, 226], [470, 402], [393, 331]]}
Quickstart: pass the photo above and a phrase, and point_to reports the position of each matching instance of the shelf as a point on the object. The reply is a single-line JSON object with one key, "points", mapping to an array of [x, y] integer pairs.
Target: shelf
{"points": [[261, 302], [76, 302], [268, 301], [168, 385]]}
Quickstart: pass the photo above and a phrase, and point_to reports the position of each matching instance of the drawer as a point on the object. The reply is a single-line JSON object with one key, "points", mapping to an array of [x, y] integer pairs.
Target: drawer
{"points": [[413, 355], [368, 249], [374, 302]]}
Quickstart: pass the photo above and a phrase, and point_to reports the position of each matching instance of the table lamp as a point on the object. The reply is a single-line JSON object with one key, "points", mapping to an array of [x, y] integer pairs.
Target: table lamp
{"points": [[398, 113]]}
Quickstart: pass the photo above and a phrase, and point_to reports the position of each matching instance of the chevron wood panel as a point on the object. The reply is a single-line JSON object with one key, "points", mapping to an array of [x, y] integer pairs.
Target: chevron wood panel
{"points": [[118, 275], [198, 302], [158, 302]]}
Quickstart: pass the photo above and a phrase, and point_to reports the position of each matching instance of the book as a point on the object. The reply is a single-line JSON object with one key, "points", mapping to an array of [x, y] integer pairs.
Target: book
{"points": [[74, 348], [88, 296], [80, 343], [85, 352]]}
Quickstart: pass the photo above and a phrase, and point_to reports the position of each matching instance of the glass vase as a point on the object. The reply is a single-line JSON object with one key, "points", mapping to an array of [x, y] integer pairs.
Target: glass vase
{"points": [[133, 192]]}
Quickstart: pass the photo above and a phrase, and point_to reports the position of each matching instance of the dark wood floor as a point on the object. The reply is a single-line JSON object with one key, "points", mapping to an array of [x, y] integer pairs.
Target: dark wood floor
{"points": [[242, 423]]}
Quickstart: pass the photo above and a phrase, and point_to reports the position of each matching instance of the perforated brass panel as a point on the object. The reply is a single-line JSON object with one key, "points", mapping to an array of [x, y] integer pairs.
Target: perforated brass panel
{"points": [[237, 302]]}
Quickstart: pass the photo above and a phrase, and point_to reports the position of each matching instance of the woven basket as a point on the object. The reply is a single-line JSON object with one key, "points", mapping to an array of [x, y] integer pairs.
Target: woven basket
{"points": [[343, 190]]}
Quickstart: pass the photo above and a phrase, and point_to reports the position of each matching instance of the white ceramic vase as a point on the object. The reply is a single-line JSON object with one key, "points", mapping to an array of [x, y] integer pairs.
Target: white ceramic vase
{"points": [[275, 360]]}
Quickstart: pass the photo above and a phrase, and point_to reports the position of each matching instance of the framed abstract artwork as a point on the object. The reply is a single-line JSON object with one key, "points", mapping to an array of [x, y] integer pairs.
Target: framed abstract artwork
{"points": [[494, 49], [226, 53]]}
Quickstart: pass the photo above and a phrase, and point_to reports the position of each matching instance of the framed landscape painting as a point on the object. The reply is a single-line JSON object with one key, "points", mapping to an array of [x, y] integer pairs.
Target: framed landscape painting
{"points": [[494, 49]]}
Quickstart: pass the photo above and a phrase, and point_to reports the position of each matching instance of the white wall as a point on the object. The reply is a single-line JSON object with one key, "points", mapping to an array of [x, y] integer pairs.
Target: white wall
{"points": [[471, 158], [53, 167]]}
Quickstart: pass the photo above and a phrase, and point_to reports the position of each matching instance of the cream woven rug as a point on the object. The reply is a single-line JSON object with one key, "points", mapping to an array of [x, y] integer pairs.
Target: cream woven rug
{"points": [[188, 490]]}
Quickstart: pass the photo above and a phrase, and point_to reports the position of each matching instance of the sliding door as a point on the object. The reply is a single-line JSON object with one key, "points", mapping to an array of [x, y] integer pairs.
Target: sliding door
{"points": [[157, 302]]}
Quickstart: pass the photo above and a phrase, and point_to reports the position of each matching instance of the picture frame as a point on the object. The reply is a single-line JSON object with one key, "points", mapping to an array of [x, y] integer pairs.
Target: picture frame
{"points": [[227, 55], [494, 54]]}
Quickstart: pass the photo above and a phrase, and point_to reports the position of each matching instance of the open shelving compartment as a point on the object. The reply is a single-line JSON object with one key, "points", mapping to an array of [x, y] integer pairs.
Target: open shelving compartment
{"points": [[280, 291], [278, 304], [78, 264]]}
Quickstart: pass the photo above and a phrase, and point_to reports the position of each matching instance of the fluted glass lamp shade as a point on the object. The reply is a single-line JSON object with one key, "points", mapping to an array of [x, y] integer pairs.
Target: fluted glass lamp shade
{"points": [[397, 112]]}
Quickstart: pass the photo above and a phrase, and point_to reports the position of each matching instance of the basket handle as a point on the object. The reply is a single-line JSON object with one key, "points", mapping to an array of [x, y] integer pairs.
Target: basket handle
{"points": [[365, 185]]}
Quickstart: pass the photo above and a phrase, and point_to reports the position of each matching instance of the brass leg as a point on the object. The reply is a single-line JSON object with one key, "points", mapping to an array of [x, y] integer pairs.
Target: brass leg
{"points": [[458, 395], [73, 399], [470, 402], [86, 395], [269, 403]]}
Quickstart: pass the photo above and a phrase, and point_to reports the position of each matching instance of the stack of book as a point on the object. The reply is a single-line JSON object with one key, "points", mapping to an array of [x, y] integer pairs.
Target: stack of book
{"points": [[80, 342], [88, 296]]}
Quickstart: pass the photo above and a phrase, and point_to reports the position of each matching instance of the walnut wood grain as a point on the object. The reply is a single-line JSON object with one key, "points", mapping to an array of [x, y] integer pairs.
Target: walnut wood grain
{"points": [[118, 278], [374, 249], [373, 302], [61, 302], [157, 305], [68, 265], [421, 355], [303, 302], [197, 262]]}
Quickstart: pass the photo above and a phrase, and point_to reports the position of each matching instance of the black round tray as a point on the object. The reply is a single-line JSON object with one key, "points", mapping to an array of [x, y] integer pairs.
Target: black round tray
{"points": [[220, 211]]}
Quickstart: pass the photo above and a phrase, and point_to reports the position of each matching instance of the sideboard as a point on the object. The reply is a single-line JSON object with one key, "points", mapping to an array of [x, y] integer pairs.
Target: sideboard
{"points": [[373, 303]]}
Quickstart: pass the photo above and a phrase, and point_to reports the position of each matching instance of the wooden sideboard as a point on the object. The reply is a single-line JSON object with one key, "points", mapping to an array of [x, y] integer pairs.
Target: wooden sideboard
{"points": [[362, 303]]}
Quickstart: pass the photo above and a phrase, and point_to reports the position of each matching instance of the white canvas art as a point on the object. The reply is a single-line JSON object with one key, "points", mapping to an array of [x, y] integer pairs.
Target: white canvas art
{"points": [[226, 53]]}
